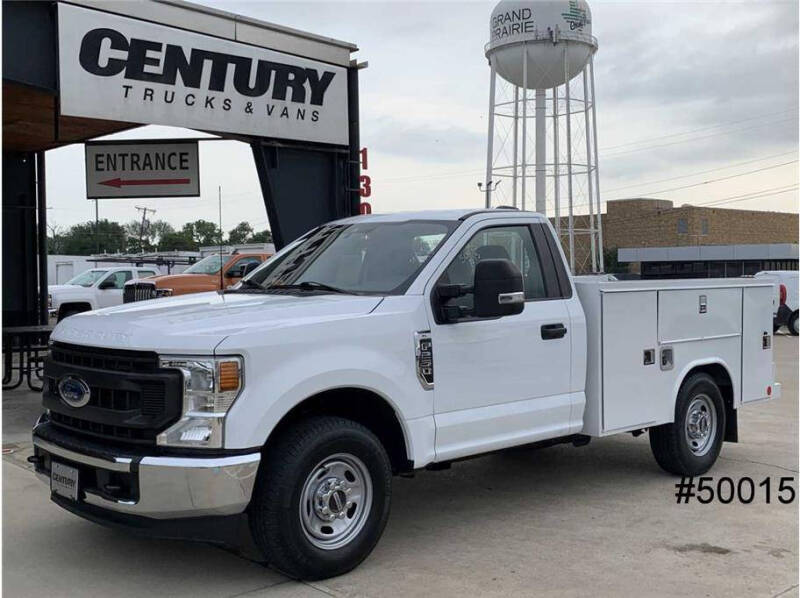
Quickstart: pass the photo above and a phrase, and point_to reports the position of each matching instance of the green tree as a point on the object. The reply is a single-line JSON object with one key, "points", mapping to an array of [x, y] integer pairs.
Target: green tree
{"points": [[610, 263], [177, 241], [82, 240], [264, 236], [202, 232], [240, 233]]}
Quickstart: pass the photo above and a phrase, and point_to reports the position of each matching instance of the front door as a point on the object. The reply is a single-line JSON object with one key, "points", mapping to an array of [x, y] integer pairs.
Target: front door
{"points": [[112, 295], [501, 381]]}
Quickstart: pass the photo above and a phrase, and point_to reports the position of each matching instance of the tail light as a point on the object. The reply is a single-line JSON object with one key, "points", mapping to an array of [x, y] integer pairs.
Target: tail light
{"points": [[783, 294]]}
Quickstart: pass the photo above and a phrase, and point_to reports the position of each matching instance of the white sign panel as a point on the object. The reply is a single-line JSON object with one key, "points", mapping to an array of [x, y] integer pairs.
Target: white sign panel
{"points": [[142, 169], [123, 69]]}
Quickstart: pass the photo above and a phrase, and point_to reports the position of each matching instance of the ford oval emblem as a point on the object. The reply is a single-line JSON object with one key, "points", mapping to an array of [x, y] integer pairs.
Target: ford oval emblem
{"points": [[74, 391]]}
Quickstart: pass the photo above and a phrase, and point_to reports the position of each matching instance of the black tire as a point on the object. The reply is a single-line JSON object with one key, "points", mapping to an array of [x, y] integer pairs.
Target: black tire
{"points": [[275, 509], [775, 328], [670, 443], [792, 324]]}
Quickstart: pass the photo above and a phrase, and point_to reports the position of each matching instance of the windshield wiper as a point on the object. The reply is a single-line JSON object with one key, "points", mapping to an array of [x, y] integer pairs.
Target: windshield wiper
{"points": [[246, 285], [310, 285]]}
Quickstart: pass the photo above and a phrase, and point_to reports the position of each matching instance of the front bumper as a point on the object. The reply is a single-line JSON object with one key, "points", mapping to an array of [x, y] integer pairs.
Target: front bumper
{"points": [[156, 487]]}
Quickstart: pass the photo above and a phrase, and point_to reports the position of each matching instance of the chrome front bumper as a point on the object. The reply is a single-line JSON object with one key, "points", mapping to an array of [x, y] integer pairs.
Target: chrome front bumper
{"points": [[168, 487]]}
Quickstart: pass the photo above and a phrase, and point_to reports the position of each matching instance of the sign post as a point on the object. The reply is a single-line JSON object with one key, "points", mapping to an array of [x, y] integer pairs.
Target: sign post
{"points": [[118, 169]]}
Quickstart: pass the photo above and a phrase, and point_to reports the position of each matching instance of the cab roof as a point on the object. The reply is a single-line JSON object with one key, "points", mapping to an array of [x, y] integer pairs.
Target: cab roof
{"points": [[447, 215]]}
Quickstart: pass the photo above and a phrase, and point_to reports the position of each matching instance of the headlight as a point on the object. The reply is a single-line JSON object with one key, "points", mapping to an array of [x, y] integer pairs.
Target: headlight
{"points": [[163, 293], [210, 386]]}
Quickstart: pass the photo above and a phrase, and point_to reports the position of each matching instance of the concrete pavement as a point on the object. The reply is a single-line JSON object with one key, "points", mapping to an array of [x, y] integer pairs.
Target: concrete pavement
{"points": [[599, 520]]}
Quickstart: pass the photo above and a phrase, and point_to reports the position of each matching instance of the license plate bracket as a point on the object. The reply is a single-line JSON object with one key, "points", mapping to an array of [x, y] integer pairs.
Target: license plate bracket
{"points": [[64, 480]]}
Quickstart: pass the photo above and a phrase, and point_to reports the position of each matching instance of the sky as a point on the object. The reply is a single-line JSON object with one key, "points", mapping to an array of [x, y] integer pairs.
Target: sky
{"points": [[697, 102]]}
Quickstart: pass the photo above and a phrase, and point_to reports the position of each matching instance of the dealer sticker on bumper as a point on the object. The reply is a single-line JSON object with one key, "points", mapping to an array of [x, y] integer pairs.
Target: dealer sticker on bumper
{"points": [[64, 480]]}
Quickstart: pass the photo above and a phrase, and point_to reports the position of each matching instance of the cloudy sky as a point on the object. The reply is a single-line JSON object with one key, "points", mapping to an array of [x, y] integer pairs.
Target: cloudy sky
{"points": [[697, 102]]}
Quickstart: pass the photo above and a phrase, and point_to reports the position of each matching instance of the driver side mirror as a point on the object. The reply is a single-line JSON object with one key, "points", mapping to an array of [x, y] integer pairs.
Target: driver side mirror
{"points": [[107, 284], [249, 268], [499, 289]]}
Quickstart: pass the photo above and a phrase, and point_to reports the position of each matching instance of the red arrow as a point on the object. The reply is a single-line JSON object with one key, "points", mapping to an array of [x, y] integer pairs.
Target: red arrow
{"points": [[118, 182]]}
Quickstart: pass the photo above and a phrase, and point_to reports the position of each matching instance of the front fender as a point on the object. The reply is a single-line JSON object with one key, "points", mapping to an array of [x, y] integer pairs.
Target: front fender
{"points": [[269, 395]]}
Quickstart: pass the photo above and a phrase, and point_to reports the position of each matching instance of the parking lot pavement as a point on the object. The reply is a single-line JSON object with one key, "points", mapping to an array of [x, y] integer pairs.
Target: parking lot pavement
{"points": [[599, 520]]}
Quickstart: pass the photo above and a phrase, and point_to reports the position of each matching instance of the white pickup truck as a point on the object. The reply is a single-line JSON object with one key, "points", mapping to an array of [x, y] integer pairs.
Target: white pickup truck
{"points": [[93, 289], [373, 346]]}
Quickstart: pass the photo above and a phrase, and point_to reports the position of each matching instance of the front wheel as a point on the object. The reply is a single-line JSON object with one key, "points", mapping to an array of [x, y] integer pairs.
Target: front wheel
{"points": [[691, 444], [322, 497]]}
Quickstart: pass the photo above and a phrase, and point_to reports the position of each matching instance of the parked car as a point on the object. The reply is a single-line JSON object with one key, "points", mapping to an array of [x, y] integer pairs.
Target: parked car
{"points": [[197, 278], [290, 400], [787, 298], [92, 289]]}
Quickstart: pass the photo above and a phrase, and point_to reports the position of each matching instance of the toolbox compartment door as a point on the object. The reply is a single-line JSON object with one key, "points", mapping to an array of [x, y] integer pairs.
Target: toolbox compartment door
{"points": [[631, 387], [757, 339], [697, 314]]}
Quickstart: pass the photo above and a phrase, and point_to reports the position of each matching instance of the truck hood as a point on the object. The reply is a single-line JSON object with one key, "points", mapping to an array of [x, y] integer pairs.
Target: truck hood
{"points": [[166, 280], [58, 291], [197, 323]]}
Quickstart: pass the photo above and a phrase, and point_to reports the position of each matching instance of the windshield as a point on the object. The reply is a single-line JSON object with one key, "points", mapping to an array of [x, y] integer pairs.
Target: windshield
{"points": [[208, 265], [361, 258], [88, 278]]}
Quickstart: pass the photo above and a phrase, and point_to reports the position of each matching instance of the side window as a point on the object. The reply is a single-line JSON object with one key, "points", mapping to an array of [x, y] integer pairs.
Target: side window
{"points": [[505, 242], [120, 278], [146, 273]]}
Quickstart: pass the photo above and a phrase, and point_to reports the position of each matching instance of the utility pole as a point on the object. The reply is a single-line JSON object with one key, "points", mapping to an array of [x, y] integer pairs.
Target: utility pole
{"points": [[219, 203], [141, 228]]}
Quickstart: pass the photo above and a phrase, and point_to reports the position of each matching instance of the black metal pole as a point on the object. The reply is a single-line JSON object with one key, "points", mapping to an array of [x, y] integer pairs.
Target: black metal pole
{"points": [[41, 211], [355, 142]]}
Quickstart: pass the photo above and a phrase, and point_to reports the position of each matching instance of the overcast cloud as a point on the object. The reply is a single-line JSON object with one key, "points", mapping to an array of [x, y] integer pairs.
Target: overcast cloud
{"points": [[682, 87]]}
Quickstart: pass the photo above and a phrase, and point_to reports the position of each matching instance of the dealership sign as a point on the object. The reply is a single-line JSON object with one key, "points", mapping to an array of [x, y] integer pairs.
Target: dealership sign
{"points": [[142, 169], [123, 69]]}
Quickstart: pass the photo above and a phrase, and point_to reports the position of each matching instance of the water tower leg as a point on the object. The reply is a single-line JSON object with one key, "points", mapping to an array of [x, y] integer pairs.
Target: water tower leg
{"points": [[516, 146], [490, 144], [568, 115], [541, 151], [556, 177], [524, 120], [592, 231], [596, 168]]}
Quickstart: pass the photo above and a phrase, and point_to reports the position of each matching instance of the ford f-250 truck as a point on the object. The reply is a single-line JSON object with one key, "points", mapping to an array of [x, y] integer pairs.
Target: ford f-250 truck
{"points": [[373, 346]]}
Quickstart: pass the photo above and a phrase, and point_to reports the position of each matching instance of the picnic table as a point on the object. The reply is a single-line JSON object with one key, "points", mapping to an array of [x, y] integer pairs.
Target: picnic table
{"points": [[24, 349]]}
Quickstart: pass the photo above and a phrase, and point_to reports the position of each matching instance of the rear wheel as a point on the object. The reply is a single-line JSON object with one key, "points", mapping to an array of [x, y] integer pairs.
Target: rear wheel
{"points": [[691, 444], [792, 325], [322, 498]]}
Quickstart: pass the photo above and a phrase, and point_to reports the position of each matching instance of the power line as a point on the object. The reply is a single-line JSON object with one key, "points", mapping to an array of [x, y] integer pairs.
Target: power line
{"points": [[686, 176], [647, 147], [643, 140], [724, 178]]}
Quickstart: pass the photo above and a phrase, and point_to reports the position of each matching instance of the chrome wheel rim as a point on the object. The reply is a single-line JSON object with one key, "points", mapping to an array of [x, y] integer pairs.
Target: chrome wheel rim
{"points": [[701, 425], [335, 501]]}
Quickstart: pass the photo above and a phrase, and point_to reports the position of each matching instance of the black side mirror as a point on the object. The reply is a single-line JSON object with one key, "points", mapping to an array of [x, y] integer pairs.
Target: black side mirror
{"points": [[107, 284], [249, 268], [499, 289], [234, 273]]}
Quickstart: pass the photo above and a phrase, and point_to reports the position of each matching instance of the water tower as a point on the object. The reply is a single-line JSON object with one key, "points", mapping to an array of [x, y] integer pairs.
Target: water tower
{"points": [[542, 129]]}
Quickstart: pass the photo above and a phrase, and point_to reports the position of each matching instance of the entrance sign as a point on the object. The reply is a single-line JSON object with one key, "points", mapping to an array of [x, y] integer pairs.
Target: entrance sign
{"points": [[142, 169], [124, 69]]}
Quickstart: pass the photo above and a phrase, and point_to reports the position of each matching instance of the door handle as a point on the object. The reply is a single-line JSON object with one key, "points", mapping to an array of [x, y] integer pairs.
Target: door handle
{"points": [[551, 331]]}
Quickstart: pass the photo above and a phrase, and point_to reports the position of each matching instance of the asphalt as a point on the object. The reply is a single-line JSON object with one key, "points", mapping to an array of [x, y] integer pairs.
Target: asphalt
{"points": [[598, 520]]}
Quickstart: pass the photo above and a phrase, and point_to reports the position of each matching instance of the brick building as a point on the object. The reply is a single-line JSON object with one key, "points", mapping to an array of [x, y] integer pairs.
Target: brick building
{"points": [[633, 227]]}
